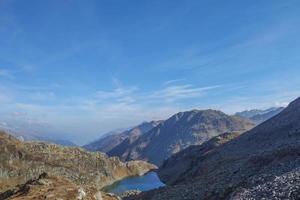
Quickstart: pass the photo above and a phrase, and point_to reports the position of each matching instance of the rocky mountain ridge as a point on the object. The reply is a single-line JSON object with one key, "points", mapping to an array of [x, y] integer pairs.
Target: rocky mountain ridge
{"points": [[22, 161], [263, 163], [178, 132]]}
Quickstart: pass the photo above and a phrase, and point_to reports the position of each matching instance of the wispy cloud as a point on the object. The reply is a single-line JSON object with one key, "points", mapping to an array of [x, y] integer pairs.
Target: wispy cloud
{"points": [[126, 105], [169, 82], [132, 96], [178, 92]]}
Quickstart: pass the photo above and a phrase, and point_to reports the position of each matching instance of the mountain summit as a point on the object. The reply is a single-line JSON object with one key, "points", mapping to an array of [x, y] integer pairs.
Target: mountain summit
{"points": [[178, 132], [263, 163]]}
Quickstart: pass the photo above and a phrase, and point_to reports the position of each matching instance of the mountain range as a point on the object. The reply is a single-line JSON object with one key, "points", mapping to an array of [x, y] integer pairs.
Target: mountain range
{"points": [[35, 132], [176, 133], [202, 154], [259, 116], [262, 163], [138, 143]]}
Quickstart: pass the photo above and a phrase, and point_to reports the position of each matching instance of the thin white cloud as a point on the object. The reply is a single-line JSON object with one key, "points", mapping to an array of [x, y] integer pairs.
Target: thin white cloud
{"points": [[125, 106], [133, 96], [169, 82], [178, 92]]}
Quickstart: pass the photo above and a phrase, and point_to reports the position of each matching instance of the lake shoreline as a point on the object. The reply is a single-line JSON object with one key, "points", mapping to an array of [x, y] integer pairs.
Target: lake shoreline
{"points": [[148, 181]]}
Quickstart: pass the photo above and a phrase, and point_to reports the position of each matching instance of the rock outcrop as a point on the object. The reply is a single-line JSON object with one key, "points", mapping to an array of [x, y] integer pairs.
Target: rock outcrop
{"points": [[22, 161], [53, 188], [179, 132], [261, 163]]}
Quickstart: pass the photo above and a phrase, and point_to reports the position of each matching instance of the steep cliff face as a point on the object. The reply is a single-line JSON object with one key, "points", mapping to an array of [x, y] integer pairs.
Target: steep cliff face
{"points": [[21, 161], [179, 132], [261, 163]]}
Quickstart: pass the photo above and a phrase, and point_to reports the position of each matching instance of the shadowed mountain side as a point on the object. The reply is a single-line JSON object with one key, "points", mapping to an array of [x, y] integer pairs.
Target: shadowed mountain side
{"points": [[174, 167], [177, 133]]}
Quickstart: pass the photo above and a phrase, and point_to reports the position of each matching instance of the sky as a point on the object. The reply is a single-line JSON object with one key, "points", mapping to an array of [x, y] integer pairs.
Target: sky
{"points": [[87, 67]]}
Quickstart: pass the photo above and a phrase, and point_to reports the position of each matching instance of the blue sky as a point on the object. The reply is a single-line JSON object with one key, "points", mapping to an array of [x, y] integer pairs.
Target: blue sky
{"points": [[86, 67]]}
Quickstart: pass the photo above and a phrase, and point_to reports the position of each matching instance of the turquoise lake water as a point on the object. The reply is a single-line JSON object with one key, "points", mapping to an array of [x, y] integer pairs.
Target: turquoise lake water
{"points": [[142, 183]]}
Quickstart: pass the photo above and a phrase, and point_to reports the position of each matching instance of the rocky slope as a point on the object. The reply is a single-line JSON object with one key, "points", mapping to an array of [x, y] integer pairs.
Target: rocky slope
{"points": [[21, 161], [172, 169], [45, 187], [178, 132], [109, 142], [259, 116], [261, 163]]}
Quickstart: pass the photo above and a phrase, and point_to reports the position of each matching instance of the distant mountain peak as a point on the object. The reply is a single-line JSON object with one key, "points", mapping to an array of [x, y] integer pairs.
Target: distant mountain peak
{"points": [[258, 116], [178, 132], [110, 141]]}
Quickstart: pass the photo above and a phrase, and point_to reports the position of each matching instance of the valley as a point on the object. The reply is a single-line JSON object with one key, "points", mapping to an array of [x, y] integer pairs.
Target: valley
{"points": [[192, 141], [149, 100]]}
